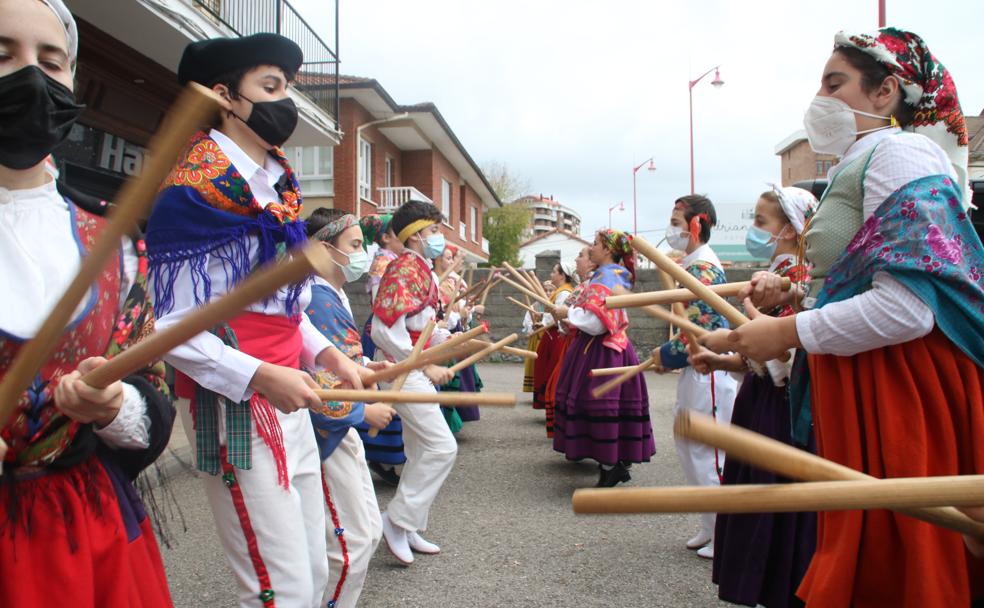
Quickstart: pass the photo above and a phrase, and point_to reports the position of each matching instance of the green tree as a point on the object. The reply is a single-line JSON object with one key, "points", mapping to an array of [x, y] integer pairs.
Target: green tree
{"points": [[504, 226]]}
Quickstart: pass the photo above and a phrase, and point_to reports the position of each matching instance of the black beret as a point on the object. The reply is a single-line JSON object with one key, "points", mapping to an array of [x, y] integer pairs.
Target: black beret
{"points": [[204, 60]]}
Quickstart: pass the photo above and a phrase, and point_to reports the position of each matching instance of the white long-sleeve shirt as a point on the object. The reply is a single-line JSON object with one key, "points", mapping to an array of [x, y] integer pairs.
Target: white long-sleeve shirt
{"points": [[41, 255], [205, 358], [395, 340], [889, 313]]}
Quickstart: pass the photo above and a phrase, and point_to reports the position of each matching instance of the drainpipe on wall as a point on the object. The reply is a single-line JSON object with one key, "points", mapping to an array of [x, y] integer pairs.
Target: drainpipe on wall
{"points": [[358, 163]]}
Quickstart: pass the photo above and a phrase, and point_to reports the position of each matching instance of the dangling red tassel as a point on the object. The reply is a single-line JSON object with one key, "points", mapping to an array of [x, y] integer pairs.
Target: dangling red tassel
{"points": [[268, 428], [695, 227]]}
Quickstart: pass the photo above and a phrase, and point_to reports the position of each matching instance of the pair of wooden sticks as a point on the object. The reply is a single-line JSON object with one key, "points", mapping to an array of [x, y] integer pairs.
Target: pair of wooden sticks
{"points": [[829, 486]]}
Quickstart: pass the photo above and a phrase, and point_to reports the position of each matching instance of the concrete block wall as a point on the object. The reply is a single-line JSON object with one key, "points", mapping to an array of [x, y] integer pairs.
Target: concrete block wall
{"points": [[505, 318]]}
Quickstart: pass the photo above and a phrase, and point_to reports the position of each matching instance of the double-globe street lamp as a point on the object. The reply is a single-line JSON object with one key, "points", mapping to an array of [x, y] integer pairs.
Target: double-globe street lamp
{"points": [[716, 83], [618, 207], [635, 215]]}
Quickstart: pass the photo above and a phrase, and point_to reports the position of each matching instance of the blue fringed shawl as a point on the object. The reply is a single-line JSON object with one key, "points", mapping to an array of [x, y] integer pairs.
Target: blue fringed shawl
{"points": [[205, 209]]}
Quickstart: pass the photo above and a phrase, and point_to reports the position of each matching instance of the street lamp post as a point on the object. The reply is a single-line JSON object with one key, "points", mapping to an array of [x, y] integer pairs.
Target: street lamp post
{"points": [[716, 83], [635, 213], [618, 207]]}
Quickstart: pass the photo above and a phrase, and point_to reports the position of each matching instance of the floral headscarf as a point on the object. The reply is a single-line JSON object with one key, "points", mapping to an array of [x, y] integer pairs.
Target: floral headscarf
{"points": [[336, 227], [928, 87], [797, 205], [620, 244], [373, 228]]}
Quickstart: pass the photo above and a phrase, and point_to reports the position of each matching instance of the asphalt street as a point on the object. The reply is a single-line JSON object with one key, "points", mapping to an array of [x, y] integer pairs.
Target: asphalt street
{"points": [[505, 525]]}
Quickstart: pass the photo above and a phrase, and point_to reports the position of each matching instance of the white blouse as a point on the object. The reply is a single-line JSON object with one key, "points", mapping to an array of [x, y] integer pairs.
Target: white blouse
{"points": [[41, 255], [889, 313], [205, 358]]}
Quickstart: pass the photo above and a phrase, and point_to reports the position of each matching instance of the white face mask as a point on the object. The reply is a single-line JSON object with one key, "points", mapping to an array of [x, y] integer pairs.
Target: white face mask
{"points": [[831, 128], [677, 238]]}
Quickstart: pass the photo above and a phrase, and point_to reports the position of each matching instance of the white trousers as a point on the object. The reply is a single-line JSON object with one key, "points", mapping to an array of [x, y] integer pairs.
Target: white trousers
{"points": [[288, 524], [701, 462], [430, 448], [352, 508]]}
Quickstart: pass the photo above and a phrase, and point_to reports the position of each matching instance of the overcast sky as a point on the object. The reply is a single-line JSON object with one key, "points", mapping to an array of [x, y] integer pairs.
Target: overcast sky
{"points": [[572, 94]]}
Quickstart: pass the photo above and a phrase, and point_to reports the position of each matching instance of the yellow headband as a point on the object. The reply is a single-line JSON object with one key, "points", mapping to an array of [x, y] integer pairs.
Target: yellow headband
{"points": [[413, 228]]}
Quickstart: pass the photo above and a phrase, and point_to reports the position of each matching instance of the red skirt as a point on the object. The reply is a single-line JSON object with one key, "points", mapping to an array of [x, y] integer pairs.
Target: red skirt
{"points": [[909, 410], [89, 544], [548, 357], [550, 390]]}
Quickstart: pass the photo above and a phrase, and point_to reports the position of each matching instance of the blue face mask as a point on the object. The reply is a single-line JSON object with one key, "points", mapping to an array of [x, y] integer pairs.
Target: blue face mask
{"points": [[434, 246], [760, 243]]}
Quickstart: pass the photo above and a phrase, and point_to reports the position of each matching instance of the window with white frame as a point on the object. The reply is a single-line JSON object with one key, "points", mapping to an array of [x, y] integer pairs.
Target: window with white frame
{"points": [[314, 167], [388, 176], [446, 200], [365, 169], [474, 224]]}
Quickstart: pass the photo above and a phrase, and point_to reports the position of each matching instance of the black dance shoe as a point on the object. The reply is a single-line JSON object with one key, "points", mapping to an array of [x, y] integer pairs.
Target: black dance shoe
{"points": [[612, 477], [387, 476]]}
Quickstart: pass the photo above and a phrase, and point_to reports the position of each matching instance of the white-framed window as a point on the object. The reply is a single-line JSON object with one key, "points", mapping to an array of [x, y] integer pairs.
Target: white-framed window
{"points": [[388, 175], [314, 167], [474, 224], [365, 169], [446, 200]]}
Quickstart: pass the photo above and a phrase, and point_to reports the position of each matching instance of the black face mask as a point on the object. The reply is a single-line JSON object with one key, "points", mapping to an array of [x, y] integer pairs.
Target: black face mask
{"points": [[273, 121], [36, 114]]}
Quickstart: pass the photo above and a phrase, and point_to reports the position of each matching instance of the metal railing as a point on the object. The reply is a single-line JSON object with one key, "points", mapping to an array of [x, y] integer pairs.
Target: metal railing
{"points": [[391, 199], [318, 76]]}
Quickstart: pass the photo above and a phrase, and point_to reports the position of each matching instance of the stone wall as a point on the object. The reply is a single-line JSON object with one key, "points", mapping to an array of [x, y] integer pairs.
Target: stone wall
{"points": [[505, 318]]}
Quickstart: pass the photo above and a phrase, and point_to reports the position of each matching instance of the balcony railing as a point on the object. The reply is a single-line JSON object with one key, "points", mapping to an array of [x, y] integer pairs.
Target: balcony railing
{"points": [[318, 76], [391, 199]]}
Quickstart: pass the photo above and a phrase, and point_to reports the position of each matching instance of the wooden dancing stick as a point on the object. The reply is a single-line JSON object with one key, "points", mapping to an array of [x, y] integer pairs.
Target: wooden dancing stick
{"points": [[624, 377], [610, 371], [312, 258], [428, 356], [414, 355], [788, 461], [543, 329], [195, 107], [690, 282], [896, 493], [485, 352], [519, 352], [522, 278], [523, 306], [669, 296], [686, 325], [392, 396], [455, 296], [545, 301], [491, 284], [473, 290], [536, 283]]}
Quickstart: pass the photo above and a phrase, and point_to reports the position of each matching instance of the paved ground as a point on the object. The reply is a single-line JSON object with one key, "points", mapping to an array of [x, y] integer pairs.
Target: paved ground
{"points": [[505, 523]]}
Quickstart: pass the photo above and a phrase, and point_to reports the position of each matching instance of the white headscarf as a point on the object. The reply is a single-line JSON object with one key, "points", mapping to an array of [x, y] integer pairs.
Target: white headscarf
{"points": [[797, 204], [71, 30], [569, 268]]}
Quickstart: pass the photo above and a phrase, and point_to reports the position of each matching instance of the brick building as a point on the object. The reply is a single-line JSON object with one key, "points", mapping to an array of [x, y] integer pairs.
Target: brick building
{"points": [[391, 153], [799, 162]]}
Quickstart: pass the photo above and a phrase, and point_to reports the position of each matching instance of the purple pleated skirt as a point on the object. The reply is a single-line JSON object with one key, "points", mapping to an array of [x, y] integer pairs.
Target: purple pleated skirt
{"points": [[760, 558], [611, 428]]}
